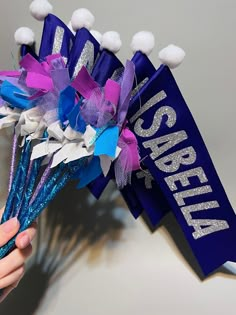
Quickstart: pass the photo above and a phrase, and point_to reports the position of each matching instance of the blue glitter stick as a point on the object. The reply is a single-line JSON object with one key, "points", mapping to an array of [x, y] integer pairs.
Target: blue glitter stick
{"points": [[17, 178], [39, 205], [30, 188]]}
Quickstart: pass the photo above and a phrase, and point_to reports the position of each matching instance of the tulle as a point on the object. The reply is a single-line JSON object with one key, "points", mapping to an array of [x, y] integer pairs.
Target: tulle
{"points": [[128, 159], [97, 111]]}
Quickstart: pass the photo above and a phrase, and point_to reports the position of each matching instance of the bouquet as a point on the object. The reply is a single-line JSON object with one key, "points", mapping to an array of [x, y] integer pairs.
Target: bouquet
{"points": [[79, 113]]}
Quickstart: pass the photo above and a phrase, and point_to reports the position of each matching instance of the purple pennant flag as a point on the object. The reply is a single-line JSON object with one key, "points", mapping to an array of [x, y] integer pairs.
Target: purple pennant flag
{"points": [[176, 156], [56, 38], [144, 194], [84, 52]]}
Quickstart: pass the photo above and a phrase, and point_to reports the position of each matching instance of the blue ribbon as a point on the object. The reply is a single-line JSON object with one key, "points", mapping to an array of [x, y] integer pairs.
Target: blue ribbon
{"points": [[14, 96], [175, 154], [66, 103]]}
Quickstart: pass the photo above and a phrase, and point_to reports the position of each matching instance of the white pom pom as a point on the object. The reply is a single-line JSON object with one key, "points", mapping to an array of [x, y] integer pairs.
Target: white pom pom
{"points": [[40, 9], [143, 41], [24, 36], [111, 41], [69, 25], [97, 35], [82, 18], [172, 56]]}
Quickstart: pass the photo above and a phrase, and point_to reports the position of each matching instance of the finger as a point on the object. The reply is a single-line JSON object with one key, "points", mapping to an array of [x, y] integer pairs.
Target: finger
{"points": [[12, 278], [1, 213], [5, 292], [14, 261], [26, 237], [8, 230]]}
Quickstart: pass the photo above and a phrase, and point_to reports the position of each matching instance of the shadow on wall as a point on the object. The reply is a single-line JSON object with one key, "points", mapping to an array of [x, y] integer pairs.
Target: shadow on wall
{"points": [[74, 224], [174, 235]]}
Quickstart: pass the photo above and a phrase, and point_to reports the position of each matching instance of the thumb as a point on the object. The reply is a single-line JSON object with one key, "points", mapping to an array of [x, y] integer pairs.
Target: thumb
{"points": [[1, 213], [8, 230]]}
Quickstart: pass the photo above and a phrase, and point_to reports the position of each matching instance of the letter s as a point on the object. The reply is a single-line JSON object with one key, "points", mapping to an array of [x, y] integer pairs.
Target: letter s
{"points": [[156, 123]]}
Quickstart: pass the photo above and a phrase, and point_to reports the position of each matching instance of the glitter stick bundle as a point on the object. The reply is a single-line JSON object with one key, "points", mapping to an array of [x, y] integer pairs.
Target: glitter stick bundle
{"points": [[79, 113]]}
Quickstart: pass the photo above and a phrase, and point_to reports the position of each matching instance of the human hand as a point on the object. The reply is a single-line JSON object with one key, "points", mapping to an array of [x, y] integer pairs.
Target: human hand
{"points": [[12, 266]]}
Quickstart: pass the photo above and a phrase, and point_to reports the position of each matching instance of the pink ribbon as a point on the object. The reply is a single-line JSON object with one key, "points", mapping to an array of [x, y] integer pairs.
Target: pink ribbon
{"points": [[132, 153], [30, 64], [38, 81], [85, 85]]}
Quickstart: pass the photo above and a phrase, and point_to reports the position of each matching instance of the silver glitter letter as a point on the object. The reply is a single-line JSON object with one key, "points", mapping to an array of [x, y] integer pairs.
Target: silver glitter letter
{"points": [[167, 142], [157, 119], [153, 101], [139, 86], [58, 40], [171, 163], [210, 225], [86, 58], [179, 197], [183, 177], [148, 179]]}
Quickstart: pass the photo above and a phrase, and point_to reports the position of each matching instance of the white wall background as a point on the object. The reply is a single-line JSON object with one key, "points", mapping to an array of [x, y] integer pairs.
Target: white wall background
{"points": [[145, 274]]}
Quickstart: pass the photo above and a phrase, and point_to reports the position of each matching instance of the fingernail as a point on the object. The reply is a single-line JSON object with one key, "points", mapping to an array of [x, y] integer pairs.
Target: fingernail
{"points": [[10, 225], [24, 240]]}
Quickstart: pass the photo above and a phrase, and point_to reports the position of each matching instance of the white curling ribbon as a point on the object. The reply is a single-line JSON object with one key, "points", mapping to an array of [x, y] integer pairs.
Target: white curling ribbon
{"points": [[8, 121], [38, 133], [50, 146], [45, 148], [105, 161], [62, 154], [78, 152], [55, 131], [72, 134], [71, 140], [29, 128], [11, 116], [89, 136], [76, 146], [6, 111], [67, 145], [30, 123], [74, 150], [71, 151]]}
